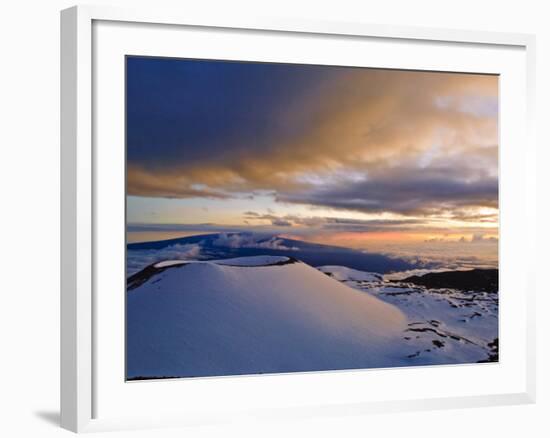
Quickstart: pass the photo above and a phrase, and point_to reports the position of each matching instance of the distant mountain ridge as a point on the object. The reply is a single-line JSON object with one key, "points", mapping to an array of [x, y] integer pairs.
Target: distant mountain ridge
{"points": [[314, 254]]}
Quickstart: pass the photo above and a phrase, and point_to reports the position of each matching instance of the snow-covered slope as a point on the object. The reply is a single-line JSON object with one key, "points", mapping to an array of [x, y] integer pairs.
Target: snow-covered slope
{"points": [[254, 315], [342, 273], [445, 325]]}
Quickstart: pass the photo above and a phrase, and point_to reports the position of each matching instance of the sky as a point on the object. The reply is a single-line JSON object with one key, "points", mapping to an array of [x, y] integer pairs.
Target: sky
{"points": [[374, 159]]}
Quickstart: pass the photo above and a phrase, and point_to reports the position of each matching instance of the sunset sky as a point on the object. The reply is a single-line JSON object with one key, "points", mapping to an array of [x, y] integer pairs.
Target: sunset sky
{"points": [[366, 158]]}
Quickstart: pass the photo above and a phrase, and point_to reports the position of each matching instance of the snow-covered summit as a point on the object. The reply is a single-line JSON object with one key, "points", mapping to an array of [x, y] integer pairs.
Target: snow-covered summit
{"points": [[264, 314], [265, 260]]}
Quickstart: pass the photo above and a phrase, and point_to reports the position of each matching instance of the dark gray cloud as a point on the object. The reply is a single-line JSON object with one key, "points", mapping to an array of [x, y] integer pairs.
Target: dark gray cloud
{"points": [[281, 223], [418, 191], [337, 223]]}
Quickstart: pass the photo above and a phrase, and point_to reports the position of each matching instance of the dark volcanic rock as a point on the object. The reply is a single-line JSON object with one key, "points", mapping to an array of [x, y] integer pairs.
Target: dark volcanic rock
{"points": [[483, 280], [145, 274], [493, 354]]}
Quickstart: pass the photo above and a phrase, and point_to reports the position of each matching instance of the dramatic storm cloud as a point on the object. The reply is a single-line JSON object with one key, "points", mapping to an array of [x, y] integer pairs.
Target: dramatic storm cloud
{"points": [[302, 147]]}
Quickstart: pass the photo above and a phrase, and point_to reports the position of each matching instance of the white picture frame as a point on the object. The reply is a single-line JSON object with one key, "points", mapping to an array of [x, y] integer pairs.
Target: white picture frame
{"points": [[81, 171]]}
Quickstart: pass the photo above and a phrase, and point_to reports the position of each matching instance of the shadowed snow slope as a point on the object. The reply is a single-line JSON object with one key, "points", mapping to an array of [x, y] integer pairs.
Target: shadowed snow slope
{"points": [[245, 316]]}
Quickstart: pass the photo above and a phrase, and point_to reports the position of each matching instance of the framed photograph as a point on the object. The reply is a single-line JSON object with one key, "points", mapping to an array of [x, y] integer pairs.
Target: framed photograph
{"points": [[282, 218]]}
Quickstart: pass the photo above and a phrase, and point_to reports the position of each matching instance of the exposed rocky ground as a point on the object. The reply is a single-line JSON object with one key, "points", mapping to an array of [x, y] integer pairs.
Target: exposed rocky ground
{"points": [[481, 280]]}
